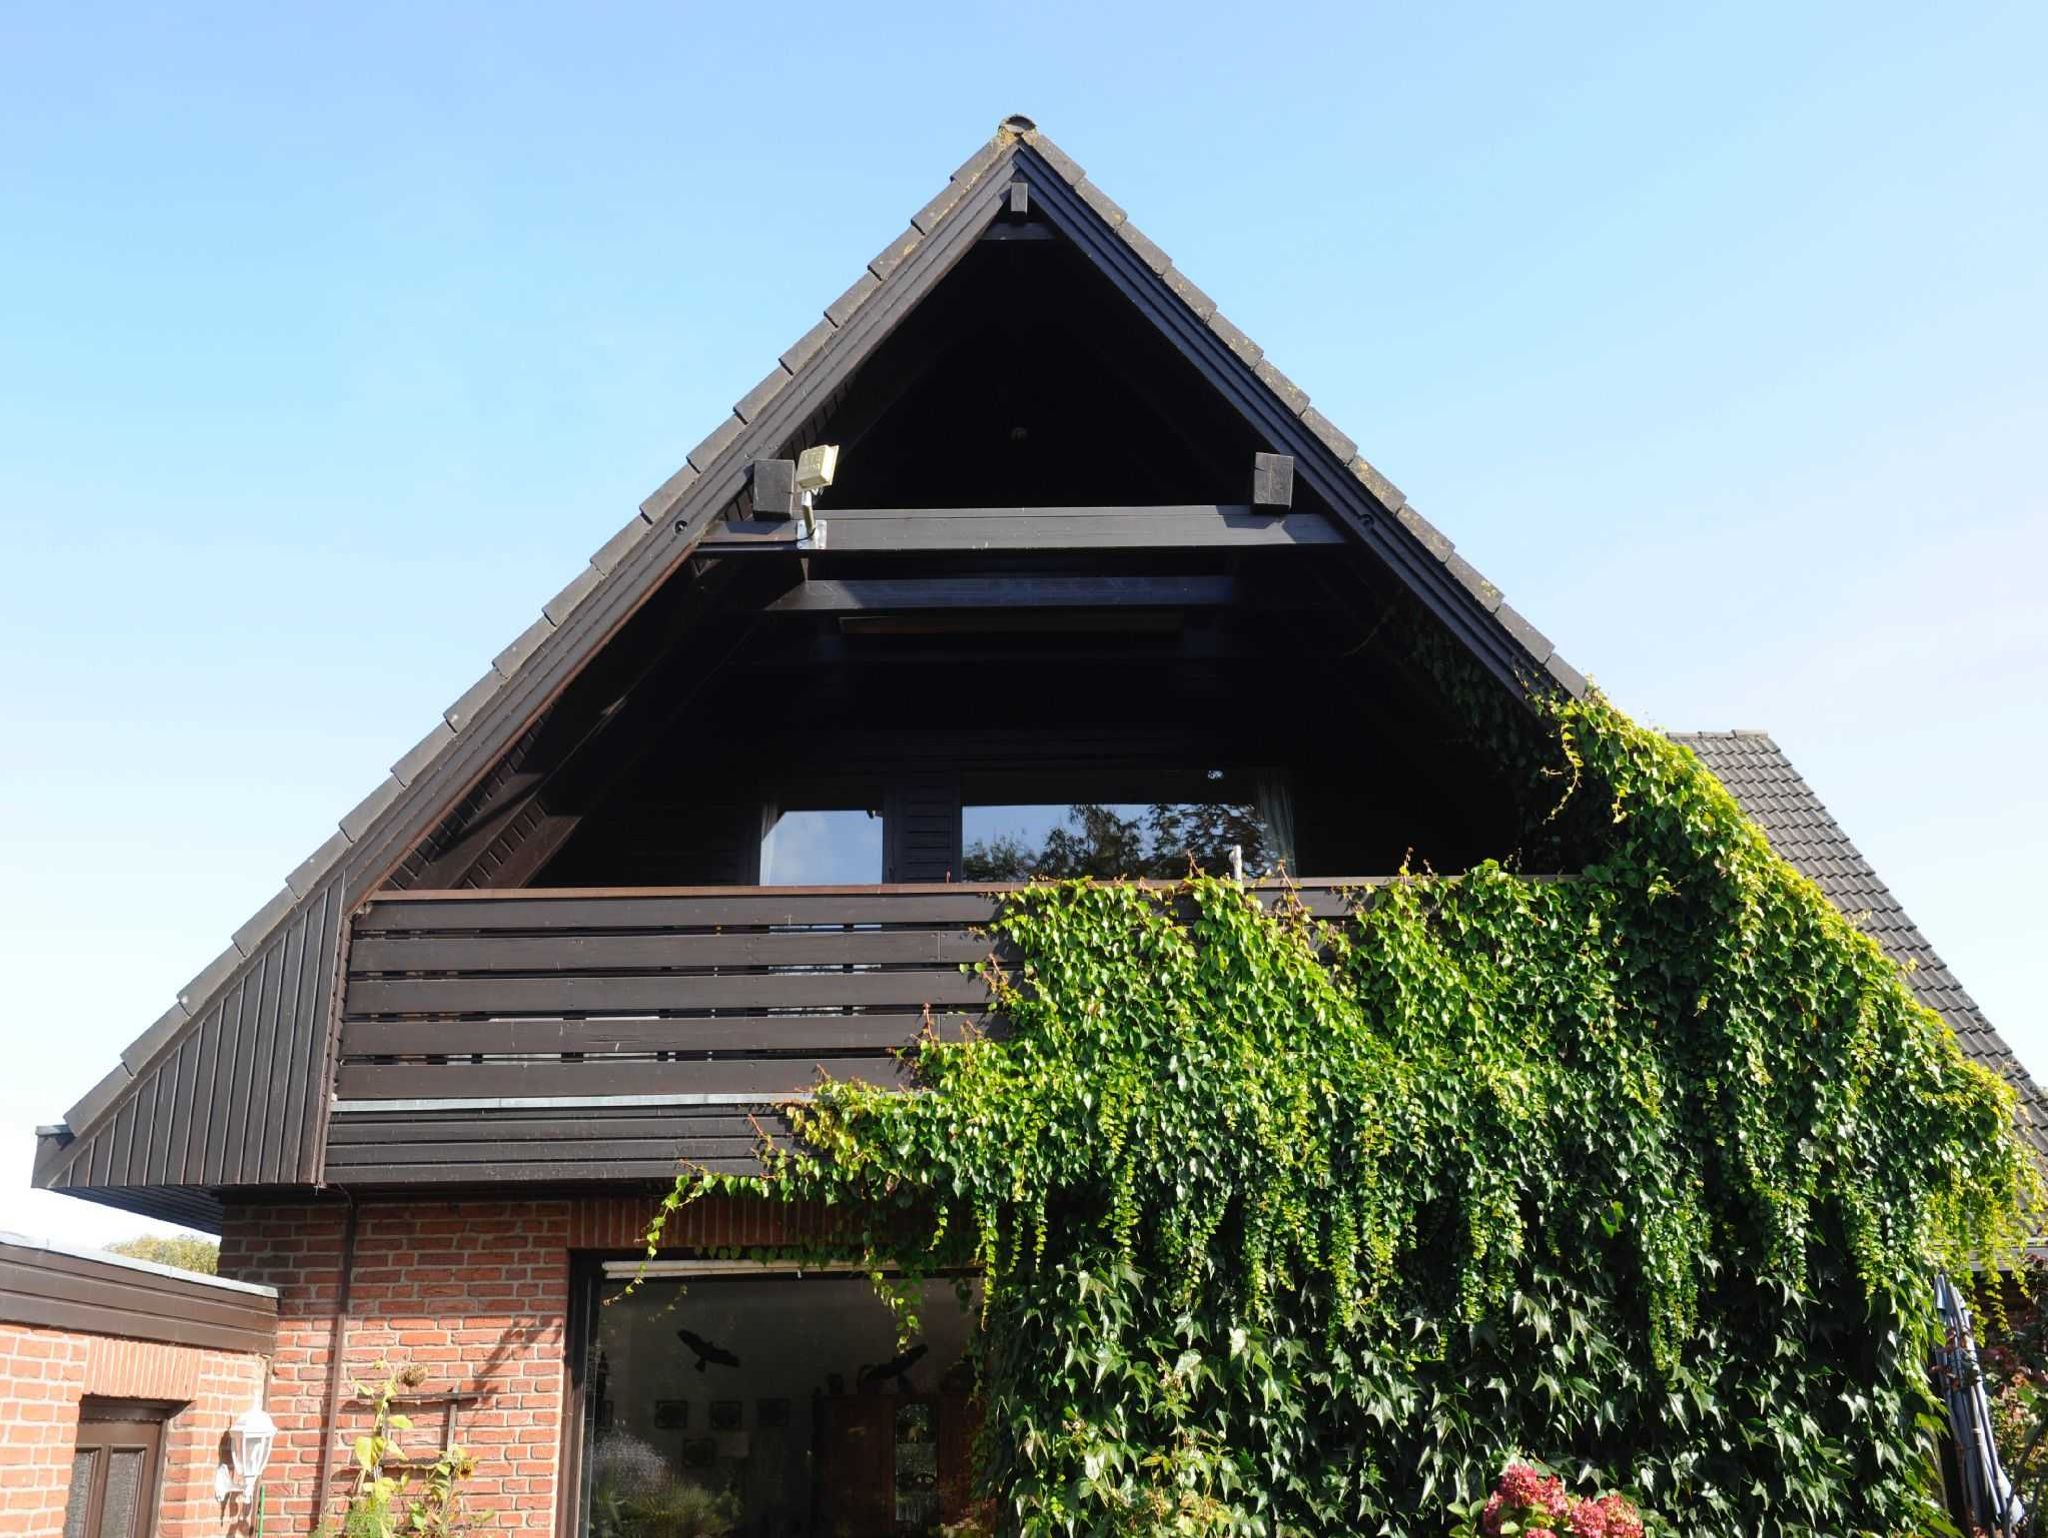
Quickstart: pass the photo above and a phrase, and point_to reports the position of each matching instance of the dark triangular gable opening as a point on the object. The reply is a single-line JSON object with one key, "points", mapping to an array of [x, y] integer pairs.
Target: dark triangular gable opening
{"points": [[1027, 380], [919, 682]]}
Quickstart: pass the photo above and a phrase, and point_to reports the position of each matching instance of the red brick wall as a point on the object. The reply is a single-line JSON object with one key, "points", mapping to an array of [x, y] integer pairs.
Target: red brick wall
{"points": [[475, 1292], [43, 1376]]}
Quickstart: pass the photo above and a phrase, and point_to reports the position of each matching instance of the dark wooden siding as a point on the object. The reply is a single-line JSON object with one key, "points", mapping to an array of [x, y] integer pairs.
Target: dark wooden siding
{"points": [[56, 1290], [585, 1035], [240, 1098], [462, 1147], [922, 821]]}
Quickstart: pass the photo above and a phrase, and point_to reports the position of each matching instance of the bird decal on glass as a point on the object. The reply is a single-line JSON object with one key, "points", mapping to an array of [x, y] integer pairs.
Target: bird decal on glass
{"points": [[705, 1351], [896, 1367]]}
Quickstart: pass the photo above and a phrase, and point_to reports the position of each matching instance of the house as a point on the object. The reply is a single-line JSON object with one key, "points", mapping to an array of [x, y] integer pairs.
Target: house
{"points": [[121, 1381], [727, 812]]}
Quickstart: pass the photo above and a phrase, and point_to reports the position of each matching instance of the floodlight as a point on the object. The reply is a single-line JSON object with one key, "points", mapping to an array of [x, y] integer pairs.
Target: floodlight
{"points": [[815, 467]]}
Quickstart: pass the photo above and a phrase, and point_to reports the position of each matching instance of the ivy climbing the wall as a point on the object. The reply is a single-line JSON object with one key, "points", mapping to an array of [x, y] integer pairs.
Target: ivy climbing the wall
{"points": [[1298, 1226]]}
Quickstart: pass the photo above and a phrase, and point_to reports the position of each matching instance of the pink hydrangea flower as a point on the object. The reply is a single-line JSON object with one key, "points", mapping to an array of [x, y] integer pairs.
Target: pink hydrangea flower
{"points": [[1623, 1520], [1520, 1485]]}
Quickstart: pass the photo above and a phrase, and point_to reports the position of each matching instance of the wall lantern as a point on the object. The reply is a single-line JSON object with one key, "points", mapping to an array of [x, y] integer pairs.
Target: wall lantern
{"points": [[250, 1440]]}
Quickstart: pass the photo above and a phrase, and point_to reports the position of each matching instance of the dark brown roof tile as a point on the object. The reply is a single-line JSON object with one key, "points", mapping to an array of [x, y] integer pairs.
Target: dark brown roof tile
{"points": [[658, 505], [926, 219], [316, 867], [367, 810], [266, 918], [1148, 251], [1534, 641], [98, 1098], [563, 604], [1334, 437], [805, 347], [152, 1041], [840, 310], [1235, 339], [1568, 678], [1384, 491], [1105, 205], [756, 400], [209, 977], [1433, 539], [716, 442], [1292, 395], [423, 753], [975, 166], [1778, 799], [613, 550], [1191, 295], [891, 256], [1476, 584]]}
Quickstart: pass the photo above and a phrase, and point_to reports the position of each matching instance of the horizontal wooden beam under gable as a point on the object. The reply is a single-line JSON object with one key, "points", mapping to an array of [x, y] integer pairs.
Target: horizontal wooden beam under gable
{"points": [[857, 531], [917, 594]]}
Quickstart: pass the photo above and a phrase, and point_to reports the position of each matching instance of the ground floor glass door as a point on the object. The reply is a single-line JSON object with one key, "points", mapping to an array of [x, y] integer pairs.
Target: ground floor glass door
{"points": [[775, 1406]]}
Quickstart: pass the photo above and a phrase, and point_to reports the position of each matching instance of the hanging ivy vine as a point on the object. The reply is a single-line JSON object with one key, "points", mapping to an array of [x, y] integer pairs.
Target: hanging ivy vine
{"points": [[1293, 1226]]}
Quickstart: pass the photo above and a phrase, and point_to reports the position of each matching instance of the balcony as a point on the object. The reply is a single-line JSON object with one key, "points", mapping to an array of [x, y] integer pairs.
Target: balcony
{"points": [[598, 1034]]}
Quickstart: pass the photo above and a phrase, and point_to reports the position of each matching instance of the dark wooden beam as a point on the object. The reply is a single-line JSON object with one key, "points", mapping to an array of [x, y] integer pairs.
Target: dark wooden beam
{"points": [[774, 487], [966, 529], [913, 594], [1273, 481]]}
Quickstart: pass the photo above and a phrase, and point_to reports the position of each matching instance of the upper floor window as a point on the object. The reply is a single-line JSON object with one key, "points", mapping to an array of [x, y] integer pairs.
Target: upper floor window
{"points": [[831, 846], [1015, 841]]}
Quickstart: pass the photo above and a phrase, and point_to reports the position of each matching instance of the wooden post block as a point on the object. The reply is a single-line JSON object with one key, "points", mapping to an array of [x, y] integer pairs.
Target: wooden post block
{"points": [[1273, 481], [774, 482], [1020, 199]]}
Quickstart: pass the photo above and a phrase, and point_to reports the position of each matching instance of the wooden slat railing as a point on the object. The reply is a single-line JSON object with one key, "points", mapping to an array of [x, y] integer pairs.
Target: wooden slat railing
{"points": [[704, 995]]}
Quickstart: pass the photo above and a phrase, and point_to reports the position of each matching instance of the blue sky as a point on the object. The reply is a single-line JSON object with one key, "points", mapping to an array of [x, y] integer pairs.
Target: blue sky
{"points": [[334, 340]]}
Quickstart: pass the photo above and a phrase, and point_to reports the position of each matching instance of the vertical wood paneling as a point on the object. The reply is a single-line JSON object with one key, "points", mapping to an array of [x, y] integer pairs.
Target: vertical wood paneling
{"points": [[184, 1098], [163, 1115], [224, 1128], [235, 1100], [218, 1041], [296, 1082], [260, 1052]]}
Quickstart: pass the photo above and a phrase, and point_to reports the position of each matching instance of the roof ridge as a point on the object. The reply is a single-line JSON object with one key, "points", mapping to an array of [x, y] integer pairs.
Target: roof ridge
{"points": [[1017, 134]]}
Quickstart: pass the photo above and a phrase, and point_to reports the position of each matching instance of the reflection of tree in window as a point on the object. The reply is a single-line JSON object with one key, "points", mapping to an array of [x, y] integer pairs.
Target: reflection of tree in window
{"points": [[1107, 841]]}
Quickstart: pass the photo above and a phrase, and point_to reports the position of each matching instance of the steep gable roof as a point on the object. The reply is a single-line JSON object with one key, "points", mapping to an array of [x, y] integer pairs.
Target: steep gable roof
{"points": [[253, 1026], [1777, 798]]}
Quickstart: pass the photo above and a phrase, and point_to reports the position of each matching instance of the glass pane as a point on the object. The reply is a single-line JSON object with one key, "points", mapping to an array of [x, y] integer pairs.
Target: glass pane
{"points": [[124, 1492], [1111, 839], [835, 848], [917, 1467], [779, 1407], [83, 1463]]}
